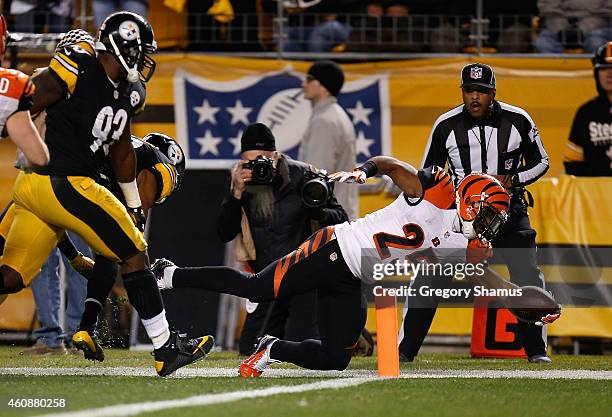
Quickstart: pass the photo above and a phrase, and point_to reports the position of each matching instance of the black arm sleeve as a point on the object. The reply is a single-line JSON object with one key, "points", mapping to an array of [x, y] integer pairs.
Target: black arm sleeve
{"points": [[228, 224]]}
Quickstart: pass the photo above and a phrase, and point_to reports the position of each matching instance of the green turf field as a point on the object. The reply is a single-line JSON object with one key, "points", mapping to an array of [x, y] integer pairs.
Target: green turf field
{"points": [[434, 385]]}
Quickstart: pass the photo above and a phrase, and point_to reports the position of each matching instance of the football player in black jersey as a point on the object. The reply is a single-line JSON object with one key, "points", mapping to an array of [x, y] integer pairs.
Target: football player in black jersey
{"points": [[160, 168], [89, 103]]}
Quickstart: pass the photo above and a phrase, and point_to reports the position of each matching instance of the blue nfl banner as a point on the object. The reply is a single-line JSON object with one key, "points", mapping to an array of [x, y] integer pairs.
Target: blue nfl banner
{"points": [[211, 115]]}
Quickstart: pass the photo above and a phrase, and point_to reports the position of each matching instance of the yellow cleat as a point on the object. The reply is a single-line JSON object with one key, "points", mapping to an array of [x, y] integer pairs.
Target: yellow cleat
{"points": [[86, 341]]}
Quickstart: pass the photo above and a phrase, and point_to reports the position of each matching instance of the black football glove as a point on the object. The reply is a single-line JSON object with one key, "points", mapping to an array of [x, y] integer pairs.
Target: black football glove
{"points": [[138, 217]]}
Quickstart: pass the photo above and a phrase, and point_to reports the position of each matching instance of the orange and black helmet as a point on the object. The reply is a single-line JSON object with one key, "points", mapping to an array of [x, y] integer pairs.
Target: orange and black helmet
{"points": [[603, 56], [482, 204]]}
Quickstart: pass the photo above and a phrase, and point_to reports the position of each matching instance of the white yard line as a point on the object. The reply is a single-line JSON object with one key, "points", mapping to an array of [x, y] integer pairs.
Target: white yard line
{"points": [[540, 373], [207, 399]]}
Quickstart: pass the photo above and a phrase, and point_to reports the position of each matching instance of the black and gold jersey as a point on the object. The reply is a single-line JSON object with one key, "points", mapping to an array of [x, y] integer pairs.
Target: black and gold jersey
{"points": [[82, 126], [149, 158]]}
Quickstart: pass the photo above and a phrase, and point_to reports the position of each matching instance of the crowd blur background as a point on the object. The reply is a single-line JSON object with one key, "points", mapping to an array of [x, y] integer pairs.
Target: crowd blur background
{"points": [[341, 26]]}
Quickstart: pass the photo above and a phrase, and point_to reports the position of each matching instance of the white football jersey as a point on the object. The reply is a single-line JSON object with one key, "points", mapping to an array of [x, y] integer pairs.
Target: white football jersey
{"points": [[14, 87], [403, 228]]}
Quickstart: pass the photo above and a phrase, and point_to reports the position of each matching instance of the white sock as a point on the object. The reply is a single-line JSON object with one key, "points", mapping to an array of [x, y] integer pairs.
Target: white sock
{"points": [[269, 353], [157, 329], [168, 274]]}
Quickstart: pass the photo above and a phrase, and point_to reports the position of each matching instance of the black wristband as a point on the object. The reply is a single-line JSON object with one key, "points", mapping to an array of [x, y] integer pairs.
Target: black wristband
{"points": [[370, 169]]}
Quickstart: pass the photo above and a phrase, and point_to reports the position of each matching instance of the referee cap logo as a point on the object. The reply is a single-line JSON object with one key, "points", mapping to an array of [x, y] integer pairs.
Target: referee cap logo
{"points": [[478, 74]]}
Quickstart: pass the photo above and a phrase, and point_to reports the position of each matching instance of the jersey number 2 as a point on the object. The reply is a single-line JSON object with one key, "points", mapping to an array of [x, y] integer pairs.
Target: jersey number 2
{"points": [[413, 238], [107, 120]]}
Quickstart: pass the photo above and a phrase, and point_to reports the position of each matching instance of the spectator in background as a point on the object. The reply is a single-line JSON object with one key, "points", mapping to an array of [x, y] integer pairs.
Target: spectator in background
{"points": [[102, 8], [47, 291], [33, 15], [572, 24], [270, 221], [387, 27], [588, 151], [313, 25], [510, 24], [329, 141], [507, 26], [327, 34]]}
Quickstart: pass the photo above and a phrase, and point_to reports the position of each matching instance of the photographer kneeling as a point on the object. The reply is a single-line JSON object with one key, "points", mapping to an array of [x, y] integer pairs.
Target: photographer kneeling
{"points": [[273, 204]]}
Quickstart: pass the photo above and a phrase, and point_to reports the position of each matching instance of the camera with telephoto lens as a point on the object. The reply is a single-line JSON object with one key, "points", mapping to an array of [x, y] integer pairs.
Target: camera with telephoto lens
{"points": [[262, 170], [317, 189]]}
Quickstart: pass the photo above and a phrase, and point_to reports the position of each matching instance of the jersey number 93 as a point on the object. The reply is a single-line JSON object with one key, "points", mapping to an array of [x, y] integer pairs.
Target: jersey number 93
{"points": [[107, 121]]}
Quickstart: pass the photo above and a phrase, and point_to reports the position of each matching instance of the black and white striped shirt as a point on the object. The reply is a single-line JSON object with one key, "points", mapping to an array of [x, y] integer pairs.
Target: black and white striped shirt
{"points": [[506, 143]]}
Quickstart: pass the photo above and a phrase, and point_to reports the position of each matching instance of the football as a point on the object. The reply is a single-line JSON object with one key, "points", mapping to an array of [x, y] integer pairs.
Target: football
{"points": [[534, 304]]}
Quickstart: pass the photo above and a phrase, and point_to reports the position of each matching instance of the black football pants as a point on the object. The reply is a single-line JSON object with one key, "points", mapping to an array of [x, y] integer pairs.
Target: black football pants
{"points": [[316, 265]]}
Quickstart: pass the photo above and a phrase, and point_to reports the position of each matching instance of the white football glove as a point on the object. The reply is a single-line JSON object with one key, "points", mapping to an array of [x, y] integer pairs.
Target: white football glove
{"points": [[357, 176]]}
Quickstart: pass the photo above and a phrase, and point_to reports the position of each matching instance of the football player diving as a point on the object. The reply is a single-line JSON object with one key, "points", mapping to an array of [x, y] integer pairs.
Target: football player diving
{"points": [[332, 260], [89, 102]]}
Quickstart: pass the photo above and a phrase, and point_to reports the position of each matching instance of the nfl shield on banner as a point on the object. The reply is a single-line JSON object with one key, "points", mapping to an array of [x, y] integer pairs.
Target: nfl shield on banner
{"points": [[211, 115]]}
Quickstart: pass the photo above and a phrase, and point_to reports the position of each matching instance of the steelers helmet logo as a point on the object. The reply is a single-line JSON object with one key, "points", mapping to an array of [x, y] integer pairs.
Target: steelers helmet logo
{"points": [[174, 153], [128, 30], [134, 98]]}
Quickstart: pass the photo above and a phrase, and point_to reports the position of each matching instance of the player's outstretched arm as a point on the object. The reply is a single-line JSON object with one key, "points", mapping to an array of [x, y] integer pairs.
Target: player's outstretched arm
{"points": [[23, 133], [403, 174]]}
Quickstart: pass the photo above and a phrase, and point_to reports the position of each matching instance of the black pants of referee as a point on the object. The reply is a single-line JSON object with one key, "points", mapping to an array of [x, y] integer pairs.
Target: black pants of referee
{"points": [[316, 265], [516, 247]]}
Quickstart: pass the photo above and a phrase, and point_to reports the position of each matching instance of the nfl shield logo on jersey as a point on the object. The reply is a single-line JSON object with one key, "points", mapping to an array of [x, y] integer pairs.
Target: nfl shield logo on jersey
{"points": [[476, 73]]}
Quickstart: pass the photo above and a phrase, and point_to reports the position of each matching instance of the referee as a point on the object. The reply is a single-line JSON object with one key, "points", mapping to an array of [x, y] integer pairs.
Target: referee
{"points": [[486, 135]]}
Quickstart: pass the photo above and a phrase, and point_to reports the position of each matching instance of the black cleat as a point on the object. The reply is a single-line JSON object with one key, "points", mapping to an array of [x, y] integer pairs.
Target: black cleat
{"points": [[86, 341], [158, 267], [180, 351]]}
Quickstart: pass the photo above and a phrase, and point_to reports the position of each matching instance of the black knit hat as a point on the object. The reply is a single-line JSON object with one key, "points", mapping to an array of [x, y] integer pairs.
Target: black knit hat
{"points": [[257, 137], [329, 74], [478, 74]]}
